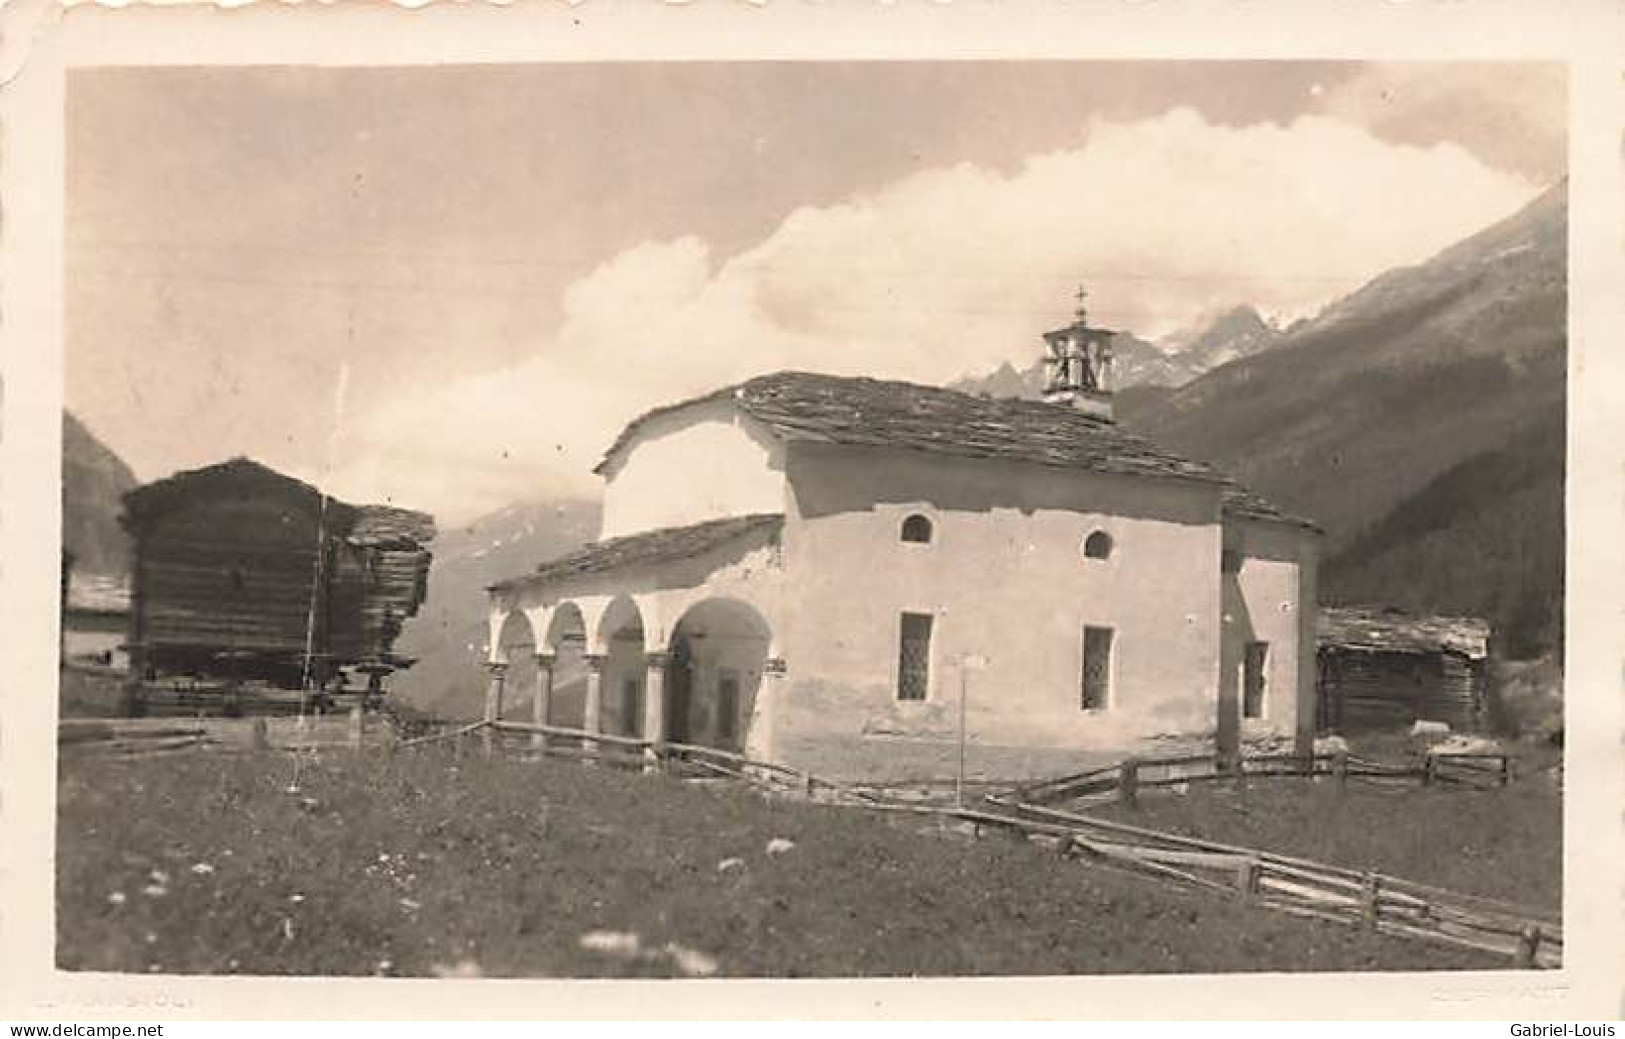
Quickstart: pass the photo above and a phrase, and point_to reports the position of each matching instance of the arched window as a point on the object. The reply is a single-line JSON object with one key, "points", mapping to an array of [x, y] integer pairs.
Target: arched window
{"points": [[1098, 545], [917, 529]]}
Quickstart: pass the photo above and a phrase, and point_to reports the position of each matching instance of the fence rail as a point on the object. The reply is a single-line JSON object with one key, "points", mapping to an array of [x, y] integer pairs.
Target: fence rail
{"points": [[1532, 937], [133, 737], [1125, 779]]}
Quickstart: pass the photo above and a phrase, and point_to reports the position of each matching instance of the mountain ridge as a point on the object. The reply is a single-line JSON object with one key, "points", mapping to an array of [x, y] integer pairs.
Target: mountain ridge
{"points": [[94, 479]]}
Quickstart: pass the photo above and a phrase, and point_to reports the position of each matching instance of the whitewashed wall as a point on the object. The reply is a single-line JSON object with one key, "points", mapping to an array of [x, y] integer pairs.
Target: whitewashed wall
{"points": [[702, 463]]}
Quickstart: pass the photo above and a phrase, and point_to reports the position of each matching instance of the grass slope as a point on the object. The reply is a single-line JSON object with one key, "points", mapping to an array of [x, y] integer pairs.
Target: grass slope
{"points": [[1504, 843], [422, 863], [1485, 538]]}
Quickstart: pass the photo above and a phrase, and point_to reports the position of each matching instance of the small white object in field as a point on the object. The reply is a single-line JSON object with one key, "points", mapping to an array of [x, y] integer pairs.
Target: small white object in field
{"points": [[1423, 727], [296, 898], [155, 891], [203, 868], [159, 876], [613, 943], [384, 966], [727, 864], [778, 846], [1331, 745], [409, 904], [691, 962], [116, 897], [463, 968]]}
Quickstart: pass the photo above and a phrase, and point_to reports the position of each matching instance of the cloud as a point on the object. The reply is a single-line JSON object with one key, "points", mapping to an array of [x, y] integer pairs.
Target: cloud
{"points": [[1514, 116], [948, 271]]}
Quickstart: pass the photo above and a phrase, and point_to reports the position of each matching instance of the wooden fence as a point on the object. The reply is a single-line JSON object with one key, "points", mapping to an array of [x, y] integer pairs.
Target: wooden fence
{"points": [[188, 698], [1125, 780], [128, 737], [1530, 937]]}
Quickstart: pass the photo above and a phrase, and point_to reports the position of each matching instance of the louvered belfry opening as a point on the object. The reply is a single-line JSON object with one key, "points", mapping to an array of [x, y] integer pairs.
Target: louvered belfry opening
{"points": [[1078, 365]]}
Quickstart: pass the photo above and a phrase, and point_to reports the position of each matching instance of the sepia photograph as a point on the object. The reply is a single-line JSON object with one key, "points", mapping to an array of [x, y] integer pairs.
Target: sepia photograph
{"points": [[813, 519]]}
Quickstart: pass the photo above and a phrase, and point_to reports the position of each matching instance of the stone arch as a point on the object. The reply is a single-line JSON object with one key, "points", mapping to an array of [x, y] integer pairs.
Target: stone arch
{"points": [[565, 624], [718, 653], [515, 648], [564, 641], [624, 682]]}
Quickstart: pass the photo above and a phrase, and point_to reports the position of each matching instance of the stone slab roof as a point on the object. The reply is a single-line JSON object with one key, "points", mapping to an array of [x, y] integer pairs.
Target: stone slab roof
{"points": [[1377, 630], [386, 525], [803, 406], [649, 547], [245, 478]]}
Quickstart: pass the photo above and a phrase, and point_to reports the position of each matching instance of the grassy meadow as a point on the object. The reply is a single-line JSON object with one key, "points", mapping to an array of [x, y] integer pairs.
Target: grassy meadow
{"points": [[432, 862]]}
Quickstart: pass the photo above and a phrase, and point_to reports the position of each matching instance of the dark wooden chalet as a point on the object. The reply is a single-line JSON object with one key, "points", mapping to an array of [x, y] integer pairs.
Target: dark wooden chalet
{"points": [[243, 574], [1385, 669]]}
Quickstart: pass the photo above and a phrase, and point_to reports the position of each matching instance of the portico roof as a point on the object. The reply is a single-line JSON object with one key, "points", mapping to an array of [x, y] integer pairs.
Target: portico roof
{"points": [[648, 548]]}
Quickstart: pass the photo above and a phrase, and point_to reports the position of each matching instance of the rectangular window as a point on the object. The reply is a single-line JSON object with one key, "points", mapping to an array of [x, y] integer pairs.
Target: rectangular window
{"points": [[727, 705], [914, 656], [1253, 669], [1097, 668]]}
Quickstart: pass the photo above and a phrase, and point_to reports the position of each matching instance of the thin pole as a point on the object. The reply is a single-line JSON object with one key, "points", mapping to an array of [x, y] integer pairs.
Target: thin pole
{"points": [[959, 781]]}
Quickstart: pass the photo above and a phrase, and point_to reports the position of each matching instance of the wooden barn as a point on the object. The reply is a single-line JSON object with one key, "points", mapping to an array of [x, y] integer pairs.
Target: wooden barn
{"points": [[244, 575], [1385, 669]]}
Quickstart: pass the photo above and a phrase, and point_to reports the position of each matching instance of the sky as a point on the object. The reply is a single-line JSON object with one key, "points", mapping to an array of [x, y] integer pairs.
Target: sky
{"points": [[449, 287]]}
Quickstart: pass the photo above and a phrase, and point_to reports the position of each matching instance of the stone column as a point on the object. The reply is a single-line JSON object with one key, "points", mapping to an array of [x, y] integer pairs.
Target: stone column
{"points": [[542, 705], [591, 721], [654, 704], [498, 670], [759, 736]]}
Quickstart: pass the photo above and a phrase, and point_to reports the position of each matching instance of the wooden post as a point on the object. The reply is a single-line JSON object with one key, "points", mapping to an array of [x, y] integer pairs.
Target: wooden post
{"points": [[493, 704], [1370, 893], [593, 720], [357, 727], [654, 707], [806, 784], [1340, 771], [1128, 781], [1506, 769], [1528, 947], [543, 704], [1429, 769], [259, 736], [1247, 877]]}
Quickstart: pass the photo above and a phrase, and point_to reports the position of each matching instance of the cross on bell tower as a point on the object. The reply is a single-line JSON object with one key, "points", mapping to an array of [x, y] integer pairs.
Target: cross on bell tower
{"points": [[1078, 365]]}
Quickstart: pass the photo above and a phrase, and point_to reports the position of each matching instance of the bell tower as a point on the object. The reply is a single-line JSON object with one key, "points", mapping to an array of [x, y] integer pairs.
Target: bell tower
{"points": [[1079, 364]]}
